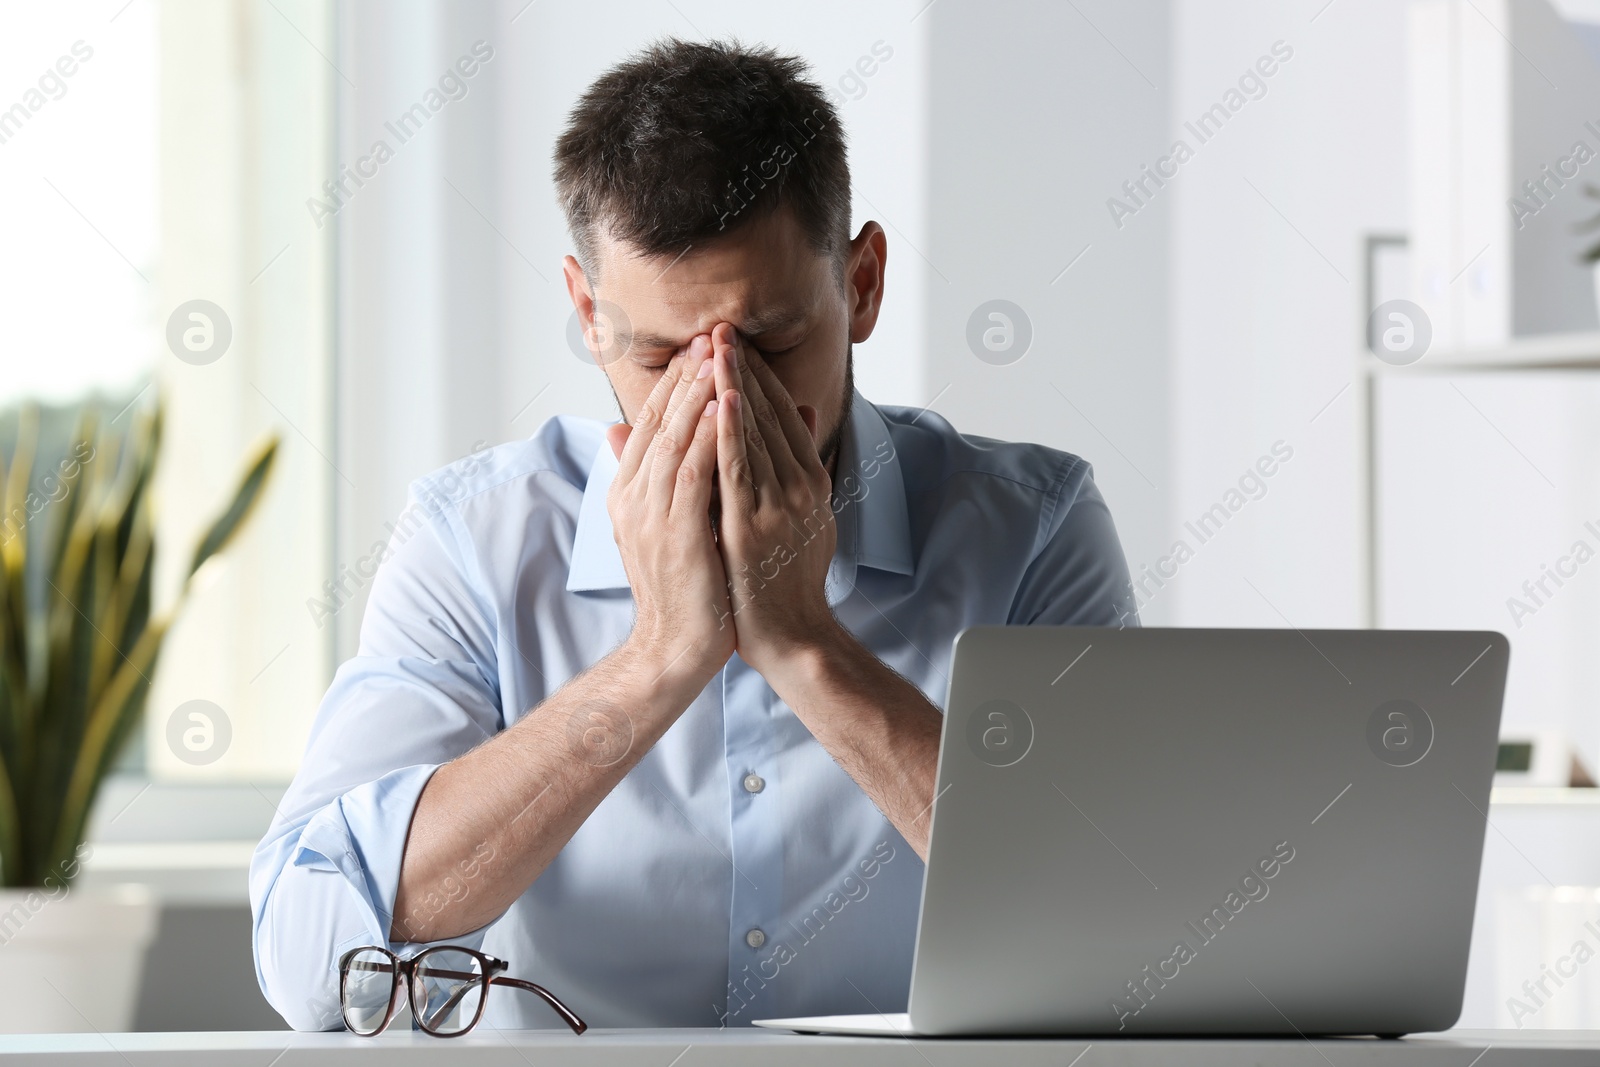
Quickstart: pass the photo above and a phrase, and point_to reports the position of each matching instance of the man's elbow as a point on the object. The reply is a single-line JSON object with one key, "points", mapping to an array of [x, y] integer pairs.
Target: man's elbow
{"points": [[302, 986], [310, 1015], [306, 1001]]}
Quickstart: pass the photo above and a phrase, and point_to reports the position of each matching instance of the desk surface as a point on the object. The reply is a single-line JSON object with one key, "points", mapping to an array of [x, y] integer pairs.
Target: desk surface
{"points": [[749, 1048]]}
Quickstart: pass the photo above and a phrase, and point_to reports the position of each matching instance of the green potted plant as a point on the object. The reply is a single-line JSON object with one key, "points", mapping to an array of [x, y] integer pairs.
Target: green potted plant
{"points": [[78, 646]]}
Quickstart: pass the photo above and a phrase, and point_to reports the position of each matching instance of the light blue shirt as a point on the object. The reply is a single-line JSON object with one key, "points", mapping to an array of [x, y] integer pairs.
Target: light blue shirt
{"points": [[737, 872]]}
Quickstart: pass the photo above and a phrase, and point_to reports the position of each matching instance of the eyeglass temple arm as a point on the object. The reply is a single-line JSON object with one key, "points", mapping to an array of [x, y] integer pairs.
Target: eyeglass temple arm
{"points": [[450, 1005], [578, 1025]]}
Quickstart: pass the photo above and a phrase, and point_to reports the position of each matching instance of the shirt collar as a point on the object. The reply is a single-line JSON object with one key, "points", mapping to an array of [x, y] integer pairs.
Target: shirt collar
{"points": [[869, 504]]}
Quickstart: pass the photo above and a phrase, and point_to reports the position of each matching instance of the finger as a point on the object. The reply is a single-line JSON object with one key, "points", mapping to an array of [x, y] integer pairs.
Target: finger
{"points": [[801, 444], [673, 440], [678, 375], [617, 437], [691, 496], [684, 361], [734, 479], [809, 415], [643, 430], [767, 420], [757, 469]]}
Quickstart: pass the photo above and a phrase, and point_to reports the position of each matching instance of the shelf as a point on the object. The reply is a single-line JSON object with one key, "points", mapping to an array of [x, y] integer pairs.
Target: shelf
{"points": [[1535, 795], [1545, 352]]}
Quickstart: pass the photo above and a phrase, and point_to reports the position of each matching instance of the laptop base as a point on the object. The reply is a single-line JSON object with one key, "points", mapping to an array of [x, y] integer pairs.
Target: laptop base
{"points": [[896, 1025]]}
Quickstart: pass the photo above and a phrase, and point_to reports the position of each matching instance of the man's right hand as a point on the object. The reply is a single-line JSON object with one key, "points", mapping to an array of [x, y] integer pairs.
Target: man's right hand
{"points": [[660, 504], [522, 794]]}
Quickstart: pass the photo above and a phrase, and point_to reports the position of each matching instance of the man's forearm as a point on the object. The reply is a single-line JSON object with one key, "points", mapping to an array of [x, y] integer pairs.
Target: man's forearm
{"points": [[489, 822], [875, 724]]}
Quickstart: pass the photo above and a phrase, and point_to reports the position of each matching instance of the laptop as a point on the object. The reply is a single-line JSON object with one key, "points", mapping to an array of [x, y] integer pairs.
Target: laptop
{"points": [[1188, 831]]}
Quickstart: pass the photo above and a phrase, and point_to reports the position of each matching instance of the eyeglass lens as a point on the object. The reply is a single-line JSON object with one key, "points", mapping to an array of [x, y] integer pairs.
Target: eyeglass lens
{"points": [[448, 988], [369, 986]]}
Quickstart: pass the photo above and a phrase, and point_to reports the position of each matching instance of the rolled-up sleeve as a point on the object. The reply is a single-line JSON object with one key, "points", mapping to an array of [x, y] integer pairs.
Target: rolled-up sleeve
{"points": [[421, 691]]}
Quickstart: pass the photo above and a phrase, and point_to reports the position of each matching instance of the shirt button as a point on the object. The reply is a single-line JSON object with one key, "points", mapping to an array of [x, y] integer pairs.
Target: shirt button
{"points": [[754, 783], [755, 938]]}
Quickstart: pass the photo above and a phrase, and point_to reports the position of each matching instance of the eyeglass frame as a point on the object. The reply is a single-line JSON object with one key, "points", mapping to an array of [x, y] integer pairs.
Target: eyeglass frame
{"points": [[492, 974]]}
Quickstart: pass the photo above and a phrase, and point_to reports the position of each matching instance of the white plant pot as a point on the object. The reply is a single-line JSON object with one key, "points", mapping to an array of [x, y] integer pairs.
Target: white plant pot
{"points": [[71, 961]]}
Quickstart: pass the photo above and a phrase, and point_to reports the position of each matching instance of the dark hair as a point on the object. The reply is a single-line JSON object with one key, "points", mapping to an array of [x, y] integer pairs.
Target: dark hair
{"points": [[685, 141]]}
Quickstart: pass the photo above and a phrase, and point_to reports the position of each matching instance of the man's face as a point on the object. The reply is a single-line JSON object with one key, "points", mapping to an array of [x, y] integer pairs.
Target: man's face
{"points": [[764, 278]]}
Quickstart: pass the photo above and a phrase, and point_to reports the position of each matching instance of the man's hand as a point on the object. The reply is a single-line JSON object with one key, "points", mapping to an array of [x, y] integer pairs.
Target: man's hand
{"points": [[660, 503], [776, 531], [777, 538], [524, 793]]}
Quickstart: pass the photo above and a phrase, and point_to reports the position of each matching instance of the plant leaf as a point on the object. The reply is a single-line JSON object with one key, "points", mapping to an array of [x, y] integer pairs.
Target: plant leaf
{"points": [[65, 514], [15, 661], [14, 549], [64, 699], [244, 500], [110, 720], [134, 580], [11, 868], [116, 522]]}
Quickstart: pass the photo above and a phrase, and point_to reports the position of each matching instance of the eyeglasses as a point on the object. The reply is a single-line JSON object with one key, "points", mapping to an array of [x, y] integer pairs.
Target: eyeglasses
{"points": [[447, 985]]}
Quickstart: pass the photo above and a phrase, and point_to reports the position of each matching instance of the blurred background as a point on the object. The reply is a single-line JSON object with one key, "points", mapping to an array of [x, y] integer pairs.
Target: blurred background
{"points": [[1191, 241]]}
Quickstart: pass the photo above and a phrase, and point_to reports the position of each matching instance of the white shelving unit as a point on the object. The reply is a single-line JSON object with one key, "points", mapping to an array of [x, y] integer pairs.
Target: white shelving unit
{"points": [[1543, 838]]}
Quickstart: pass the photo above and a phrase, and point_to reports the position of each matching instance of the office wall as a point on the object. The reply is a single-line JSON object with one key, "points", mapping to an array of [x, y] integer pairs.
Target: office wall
{"points": [[420, 276], [1037, 115], [1269, 221]]}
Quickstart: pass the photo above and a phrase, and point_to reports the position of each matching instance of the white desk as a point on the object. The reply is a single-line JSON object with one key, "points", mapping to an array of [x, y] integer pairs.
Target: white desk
{"points": [[757, 1048]]}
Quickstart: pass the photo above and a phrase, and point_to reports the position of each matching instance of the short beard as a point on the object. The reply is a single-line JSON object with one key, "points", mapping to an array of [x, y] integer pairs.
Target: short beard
{"points": [[829, 451]]}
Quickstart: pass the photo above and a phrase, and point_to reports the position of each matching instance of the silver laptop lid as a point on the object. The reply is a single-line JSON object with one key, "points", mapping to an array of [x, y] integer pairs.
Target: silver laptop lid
{"points": [[1178, 830]]}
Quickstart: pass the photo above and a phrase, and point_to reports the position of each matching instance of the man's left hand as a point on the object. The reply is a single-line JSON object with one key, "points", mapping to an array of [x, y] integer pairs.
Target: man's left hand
{"points": [[776, 531]]}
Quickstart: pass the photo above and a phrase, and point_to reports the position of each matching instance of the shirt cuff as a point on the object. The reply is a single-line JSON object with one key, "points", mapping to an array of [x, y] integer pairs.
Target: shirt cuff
{"points": [[362, 836]]}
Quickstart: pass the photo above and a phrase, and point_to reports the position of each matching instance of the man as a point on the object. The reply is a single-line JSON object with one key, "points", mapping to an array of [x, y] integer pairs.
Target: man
{"points": [[650, 710]]}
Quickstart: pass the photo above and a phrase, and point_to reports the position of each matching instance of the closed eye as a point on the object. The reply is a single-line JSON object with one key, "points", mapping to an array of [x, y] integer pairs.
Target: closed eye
{"points": [[655, 368]]}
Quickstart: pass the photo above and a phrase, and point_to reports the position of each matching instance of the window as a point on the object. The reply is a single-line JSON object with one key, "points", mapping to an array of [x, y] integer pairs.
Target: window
{"points": [[159, 153]]}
